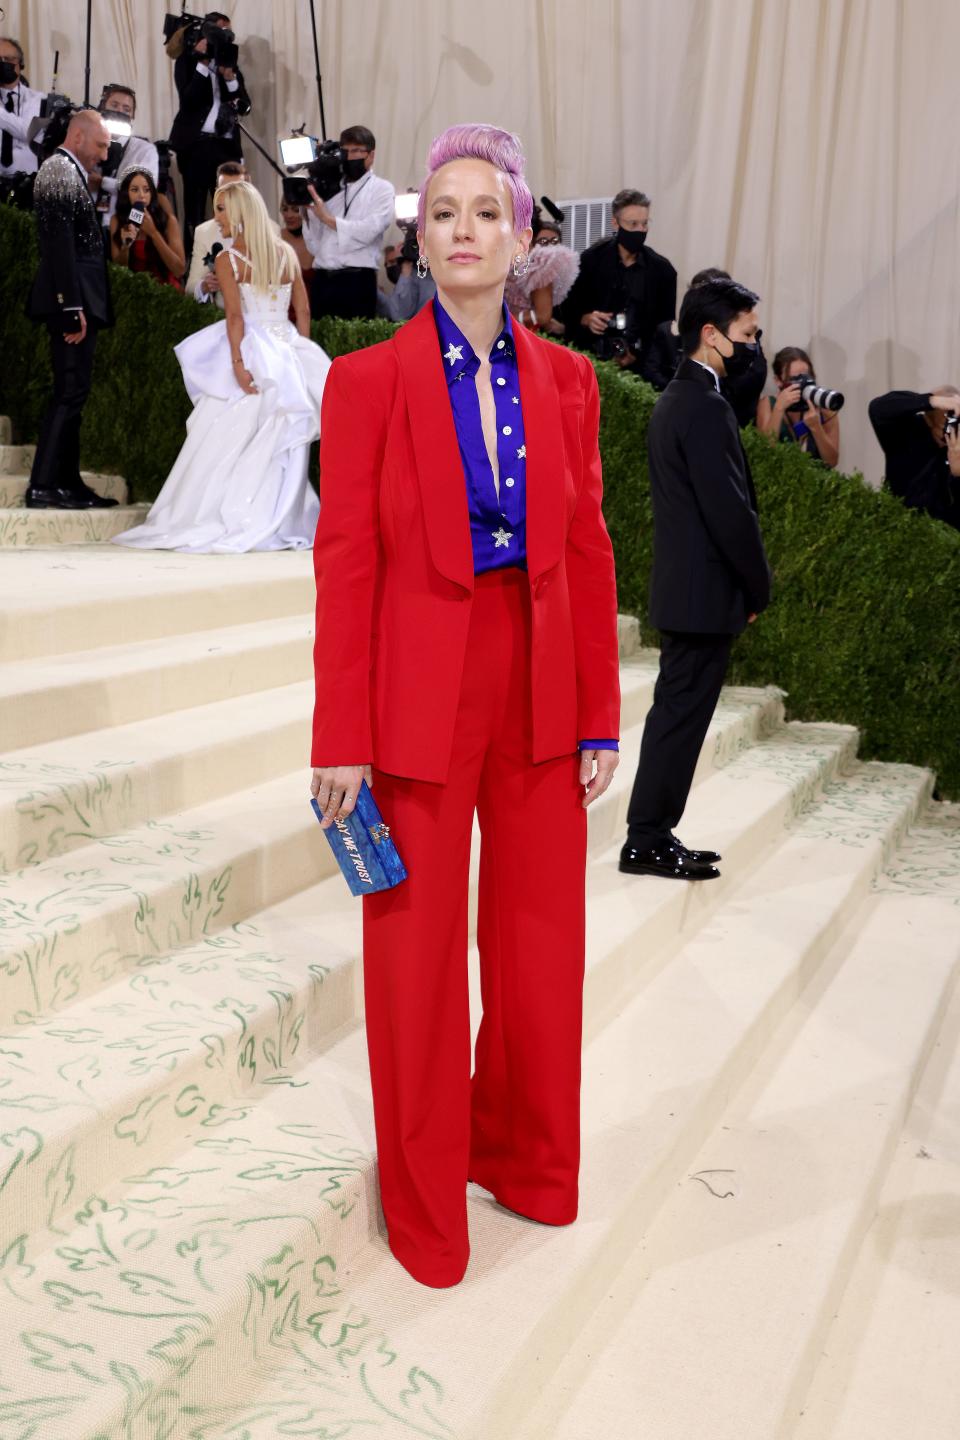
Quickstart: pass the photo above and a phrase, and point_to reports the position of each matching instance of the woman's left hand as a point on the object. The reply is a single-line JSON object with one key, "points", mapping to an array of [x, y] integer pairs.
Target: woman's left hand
{"points": [[147, 225], [606, 762]]}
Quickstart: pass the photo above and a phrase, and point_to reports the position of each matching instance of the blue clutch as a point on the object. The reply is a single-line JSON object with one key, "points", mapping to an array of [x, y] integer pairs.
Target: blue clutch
{"points": [[363, 848]]}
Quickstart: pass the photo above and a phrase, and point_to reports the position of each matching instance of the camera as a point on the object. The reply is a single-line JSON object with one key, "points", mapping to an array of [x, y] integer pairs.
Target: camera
{"points": [[405, 208], [951, 426], [49, 129], [319, 163], [813, 394], [221, 44], [613, 341]]}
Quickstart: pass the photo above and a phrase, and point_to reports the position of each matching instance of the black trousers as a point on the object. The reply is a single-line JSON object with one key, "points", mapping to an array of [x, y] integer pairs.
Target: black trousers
{"points": [[56, 465], [198, 163], [349, 294], [692, 670]]}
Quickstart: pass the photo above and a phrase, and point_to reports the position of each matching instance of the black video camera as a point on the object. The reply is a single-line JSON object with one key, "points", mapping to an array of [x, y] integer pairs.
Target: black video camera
{"points": [[221, 43], [311, 162], [49, 130]]}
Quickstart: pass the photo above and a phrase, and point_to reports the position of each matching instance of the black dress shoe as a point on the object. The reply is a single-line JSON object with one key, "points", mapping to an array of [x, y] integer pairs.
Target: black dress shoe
{"points": [[54, 500], [699, 857], [666, 860], [95, 501]]}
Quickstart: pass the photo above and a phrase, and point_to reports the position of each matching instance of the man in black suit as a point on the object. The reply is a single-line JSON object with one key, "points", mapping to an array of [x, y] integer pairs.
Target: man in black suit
{"points": [[621, 275], [71, 296], [204, 132], [710, 574]]}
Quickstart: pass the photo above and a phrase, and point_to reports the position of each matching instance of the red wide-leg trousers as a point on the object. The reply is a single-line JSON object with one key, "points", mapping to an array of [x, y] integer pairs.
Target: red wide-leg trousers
{"points": [[515, 1127]]}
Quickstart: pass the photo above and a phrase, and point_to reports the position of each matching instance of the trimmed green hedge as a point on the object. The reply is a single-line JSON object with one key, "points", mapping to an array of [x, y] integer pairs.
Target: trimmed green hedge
{"points": [[865, 623]]}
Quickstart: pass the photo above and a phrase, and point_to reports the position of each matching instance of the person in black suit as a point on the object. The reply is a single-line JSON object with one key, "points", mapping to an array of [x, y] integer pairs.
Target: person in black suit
{"points": [[71, 296], [710, 575], [662, 356], [204, 132], [621, 275]]}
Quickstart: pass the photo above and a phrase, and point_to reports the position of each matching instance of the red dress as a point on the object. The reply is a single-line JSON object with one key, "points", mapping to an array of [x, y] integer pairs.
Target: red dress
{"points": [[145, 260]]}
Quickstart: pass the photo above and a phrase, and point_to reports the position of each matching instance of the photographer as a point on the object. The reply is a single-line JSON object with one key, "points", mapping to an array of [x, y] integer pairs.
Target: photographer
{"points": [[344, 234], [788, 418], [212, 95], [920, 439], [18, 106], [150, 245], [118, 103], [410, 292], [624, 289]]}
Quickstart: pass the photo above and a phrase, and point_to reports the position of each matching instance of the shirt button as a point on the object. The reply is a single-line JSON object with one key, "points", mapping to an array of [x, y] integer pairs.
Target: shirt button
{"points": [[500, 344], [501, 381], [509, 483], [508, 429]]}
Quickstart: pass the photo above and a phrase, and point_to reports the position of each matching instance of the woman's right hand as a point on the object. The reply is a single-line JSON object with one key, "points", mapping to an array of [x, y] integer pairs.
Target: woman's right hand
{"points": [[789, 395], [128, 234], [336, 788]]}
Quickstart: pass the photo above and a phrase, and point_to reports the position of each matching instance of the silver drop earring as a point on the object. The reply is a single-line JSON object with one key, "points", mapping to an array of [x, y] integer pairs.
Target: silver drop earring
{"points": [[423, 266], [521, 264]]}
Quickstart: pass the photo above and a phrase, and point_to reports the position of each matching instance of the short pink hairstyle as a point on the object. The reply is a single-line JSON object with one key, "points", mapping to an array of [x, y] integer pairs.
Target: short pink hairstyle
{"points": [[481, 142]]}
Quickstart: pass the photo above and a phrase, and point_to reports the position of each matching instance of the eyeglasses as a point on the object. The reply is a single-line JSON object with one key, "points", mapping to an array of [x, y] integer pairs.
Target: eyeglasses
{"points": [[554, 240]]}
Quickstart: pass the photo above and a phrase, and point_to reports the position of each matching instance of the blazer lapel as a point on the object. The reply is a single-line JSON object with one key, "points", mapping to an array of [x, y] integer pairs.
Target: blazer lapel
{"points": [[543, 435], [443, 487]]}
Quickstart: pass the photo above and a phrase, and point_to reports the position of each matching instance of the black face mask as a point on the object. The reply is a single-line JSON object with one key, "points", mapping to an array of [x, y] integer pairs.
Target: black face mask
{"points": [[354, 169], [743, 356], [8, 72], [393, 272], [632, 240]]}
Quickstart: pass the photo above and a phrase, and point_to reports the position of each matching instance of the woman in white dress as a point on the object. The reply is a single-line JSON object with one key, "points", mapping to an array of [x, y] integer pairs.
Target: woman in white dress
{"points": [[240, 481]]}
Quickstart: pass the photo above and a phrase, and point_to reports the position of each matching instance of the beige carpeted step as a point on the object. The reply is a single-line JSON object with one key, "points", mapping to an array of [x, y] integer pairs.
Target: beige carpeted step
{"points": [[55, 697], [57, 796], [53, 604], [22, 529], [808, 1143], [253, 1258]]}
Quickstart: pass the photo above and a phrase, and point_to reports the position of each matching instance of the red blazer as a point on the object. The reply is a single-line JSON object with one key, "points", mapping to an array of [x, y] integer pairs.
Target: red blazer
{"points": [[394, 561]]}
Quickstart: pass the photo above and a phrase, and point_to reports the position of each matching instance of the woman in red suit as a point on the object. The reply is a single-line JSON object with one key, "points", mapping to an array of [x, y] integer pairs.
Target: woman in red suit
{"points": [[466, 651]]}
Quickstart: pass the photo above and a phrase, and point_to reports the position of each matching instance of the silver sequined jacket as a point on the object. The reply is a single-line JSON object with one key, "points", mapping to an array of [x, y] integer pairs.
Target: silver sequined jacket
{"points": [[73, 266]]}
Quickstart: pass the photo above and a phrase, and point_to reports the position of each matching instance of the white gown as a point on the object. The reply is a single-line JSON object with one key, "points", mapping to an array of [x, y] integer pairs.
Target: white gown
{"points": [[240, 481]]}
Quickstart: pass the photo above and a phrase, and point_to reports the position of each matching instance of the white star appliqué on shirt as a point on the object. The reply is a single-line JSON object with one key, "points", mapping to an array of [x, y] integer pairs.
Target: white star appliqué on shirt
{"points": [[501, 537], [454, 354], [522, 453]]}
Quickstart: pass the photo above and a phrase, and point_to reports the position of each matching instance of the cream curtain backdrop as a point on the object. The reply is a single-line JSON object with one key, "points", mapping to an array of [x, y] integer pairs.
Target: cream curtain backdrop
{"points": [[805, 145]]}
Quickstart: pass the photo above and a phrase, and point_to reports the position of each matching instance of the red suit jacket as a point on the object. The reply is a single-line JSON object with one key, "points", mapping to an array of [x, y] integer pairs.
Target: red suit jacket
{"points": [[394, 561]]}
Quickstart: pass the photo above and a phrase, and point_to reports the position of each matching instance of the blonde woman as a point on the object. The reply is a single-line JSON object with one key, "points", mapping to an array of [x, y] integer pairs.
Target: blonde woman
{"points": [[256, 380]]}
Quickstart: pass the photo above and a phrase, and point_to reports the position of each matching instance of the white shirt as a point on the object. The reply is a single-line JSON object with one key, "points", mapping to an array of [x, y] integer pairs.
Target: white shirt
{"points": [[209, 126], [710, 371], [16, 122], [364, 212], [139, 152]]}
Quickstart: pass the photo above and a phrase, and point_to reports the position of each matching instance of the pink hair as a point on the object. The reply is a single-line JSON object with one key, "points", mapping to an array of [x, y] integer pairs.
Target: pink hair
{"points": [[481, 142]]}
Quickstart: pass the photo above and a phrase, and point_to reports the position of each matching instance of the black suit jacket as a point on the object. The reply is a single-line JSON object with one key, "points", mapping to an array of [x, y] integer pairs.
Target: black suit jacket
{"points": [[645, 292], [196, 102], [709, 566], [73, 263]]}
